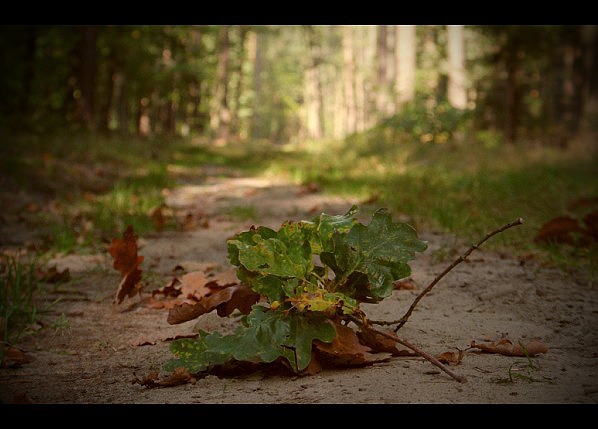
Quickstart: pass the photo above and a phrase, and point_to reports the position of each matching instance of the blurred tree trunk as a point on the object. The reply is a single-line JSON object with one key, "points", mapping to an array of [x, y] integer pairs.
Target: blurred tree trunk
{"points": [[382, 94], [259, 49], [349, 82], [589, 114], [220, 112], [23, 102], [359, 53], [87, 76], [313, 86], [240, 80], [513, 92], [457, 90], [406, 64], [106, 107]]}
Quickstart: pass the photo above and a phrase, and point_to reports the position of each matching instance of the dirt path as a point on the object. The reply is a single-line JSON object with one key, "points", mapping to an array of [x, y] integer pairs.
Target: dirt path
{"points": [[491, 295]]}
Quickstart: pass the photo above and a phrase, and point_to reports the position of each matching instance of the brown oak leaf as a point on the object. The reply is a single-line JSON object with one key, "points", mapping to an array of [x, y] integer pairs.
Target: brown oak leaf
{"points": [[127, 262], [224, 300], [346, 350], [379, 343], [179, 376], [451, 358], [559, 230], [507, 348]]}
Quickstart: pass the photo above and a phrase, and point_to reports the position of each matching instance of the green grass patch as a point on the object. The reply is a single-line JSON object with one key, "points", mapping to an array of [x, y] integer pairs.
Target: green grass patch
{"points": [[17, 306]]}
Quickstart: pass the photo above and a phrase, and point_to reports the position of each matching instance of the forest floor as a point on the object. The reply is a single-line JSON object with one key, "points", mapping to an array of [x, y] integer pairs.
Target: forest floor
{"points": [[104, 347]]}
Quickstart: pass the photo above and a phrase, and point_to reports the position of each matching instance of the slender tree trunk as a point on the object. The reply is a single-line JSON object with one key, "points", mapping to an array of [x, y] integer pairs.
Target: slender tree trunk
{"points": [[313, 88], [235, 125], [87, 76], [349, 81], [457, 90], [220, 112], [513, 95], [109, 87], [359, 53], [381, 75], [406, 64], [590, 88], [259, 40]]}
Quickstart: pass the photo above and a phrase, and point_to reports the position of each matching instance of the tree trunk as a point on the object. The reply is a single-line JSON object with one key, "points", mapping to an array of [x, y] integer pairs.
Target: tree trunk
{"points": [[313, 88], [590, 88], [87, 76], [381, 72], [258, 49], [349, 81], [220, 112], [235, 125], [457, 90], [406, 64]]}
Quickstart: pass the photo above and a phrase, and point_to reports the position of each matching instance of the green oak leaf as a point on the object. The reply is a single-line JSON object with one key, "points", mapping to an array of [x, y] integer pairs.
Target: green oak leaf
{"points": [[265, 336], [324, 226], [286, 254], [380, 251]]}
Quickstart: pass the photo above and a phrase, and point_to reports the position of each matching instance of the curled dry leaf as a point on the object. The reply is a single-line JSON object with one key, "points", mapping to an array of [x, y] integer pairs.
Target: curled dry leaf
{"points": [[405, 284], [346, 349], [225, 301], [507, 348], [380, 343], [127, 262], [451, 358], [179, 376], [15, 357]]}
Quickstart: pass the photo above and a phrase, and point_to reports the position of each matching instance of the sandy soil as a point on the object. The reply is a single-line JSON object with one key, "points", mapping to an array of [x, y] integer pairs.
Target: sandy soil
{"points": [[96, 357]]}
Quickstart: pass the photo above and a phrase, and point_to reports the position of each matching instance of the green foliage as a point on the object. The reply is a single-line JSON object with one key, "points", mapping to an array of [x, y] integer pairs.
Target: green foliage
{"points": [[264, 336], [302, 294]]}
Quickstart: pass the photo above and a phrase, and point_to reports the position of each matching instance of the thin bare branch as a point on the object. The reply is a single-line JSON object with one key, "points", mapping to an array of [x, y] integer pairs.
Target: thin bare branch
{"points": [[460, 259], [426, 356]]}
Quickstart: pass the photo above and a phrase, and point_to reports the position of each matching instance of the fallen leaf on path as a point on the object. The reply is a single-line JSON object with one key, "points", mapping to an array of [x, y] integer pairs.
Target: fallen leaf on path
{"points": [[15, 357], [225, 301], [157, 217], [170, 290], [451, 358], [559, 230], [379, 343], [22, 398], [346, 350], [127, 262], [139, 343], [405, 284], [507, 348], [179, 376], [178, 337], [52, 275], [309, 188], [185, 312]]}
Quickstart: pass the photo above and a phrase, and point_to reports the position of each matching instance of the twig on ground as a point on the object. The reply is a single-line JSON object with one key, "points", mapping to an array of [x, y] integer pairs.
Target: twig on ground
{"points": [[420, 352], [460, 259]]}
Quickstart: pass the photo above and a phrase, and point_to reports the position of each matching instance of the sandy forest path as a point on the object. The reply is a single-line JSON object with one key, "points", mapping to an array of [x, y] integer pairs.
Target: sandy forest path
{"points": [[491, 295]]}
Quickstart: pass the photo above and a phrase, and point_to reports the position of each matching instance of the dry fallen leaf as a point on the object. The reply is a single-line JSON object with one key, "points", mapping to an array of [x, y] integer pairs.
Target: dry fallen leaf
{"points": [[507, 348], [179, 376], [346, 350], [225, 301], [127, 263], [405, 284], [15, 357], [380, 343], [52, 275], [157, 217], [559, 230], [22, 398], [451, 358]]}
